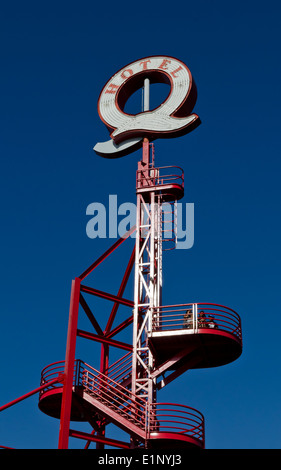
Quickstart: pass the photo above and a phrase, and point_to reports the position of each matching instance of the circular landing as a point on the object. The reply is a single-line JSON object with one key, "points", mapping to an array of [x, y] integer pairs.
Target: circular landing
{"points": [[205, 348], [170, 440], [169, 192], [50, 404], [195, 335]]}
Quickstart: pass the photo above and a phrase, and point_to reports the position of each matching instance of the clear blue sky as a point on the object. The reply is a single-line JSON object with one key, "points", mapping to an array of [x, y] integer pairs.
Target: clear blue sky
{"points": [[55, 59]]}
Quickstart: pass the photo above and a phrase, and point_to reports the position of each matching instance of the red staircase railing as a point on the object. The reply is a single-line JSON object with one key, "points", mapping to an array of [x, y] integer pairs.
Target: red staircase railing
{"points": [[179, 419], [112, 394], [160, 176], [121, 370], [164, 418]]}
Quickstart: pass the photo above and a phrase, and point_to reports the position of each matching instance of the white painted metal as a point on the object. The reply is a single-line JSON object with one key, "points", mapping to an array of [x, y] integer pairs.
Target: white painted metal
{"points": [[148, 283], [111, 150], [158, 121], [146, 97]]}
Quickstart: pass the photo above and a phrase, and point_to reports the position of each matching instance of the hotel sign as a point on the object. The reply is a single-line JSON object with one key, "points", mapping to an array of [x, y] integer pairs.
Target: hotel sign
{"points": [[172, 118]]}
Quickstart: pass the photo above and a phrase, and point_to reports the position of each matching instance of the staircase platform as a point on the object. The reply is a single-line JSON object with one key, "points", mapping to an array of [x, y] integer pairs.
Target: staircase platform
{"points": [[210, 332], [213, 348], [96, 396]]}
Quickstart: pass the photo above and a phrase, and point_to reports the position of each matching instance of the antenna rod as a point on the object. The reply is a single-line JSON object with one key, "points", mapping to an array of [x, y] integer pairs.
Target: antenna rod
{"points": [[146, 94]]}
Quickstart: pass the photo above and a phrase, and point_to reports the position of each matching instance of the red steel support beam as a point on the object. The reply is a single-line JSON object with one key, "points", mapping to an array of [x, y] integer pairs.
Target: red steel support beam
{"points": [[192, 360], [104, 361], [69, 365], [90, 315], [104, 340], [107, 296], [120, 327], [103, 440], [107, 253], [121, 291], [59, 379]]}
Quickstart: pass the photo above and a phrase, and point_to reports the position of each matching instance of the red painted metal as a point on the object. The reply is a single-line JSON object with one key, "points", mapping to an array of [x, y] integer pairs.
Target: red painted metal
{"points": [[120, 292], [124, 392], [145, 152], [167, 181], [120, 327], [59, 379], [107, 253], [217, 318], [68, 388], [102, 440], [107, 296], [109, 389], [90, 315], [160, 177], [179, 419], [69, 365], [103, 339], [121, 370], [167, 421]]}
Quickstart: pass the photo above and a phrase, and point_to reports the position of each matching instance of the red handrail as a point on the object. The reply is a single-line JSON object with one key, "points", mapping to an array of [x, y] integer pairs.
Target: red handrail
{"points": [[179, 419], [155, 177], [121, 369], [161, 417], [172, 317]]}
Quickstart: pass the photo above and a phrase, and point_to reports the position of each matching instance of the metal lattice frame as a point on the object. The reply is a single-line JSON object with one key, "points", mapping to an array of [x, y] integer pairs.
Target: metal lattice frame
{"points": [[147, 292]]}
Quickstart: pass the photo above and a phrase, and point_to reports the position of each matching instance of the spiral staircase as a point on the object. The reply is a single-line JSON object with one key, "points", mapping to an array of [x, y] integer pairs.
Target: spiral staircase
{"points": [[107, 397]]}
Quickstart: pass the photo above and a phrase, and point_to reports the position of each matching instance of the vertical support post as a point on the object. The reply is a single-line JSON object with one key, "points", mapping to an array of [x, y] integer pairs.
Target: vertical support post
{"points": [[195, 317], [145, 152], [153, 285], [148, 274], [69, 364], [103, 367], [159, 252]]}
